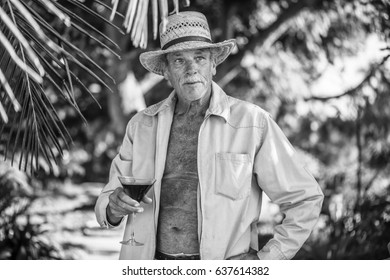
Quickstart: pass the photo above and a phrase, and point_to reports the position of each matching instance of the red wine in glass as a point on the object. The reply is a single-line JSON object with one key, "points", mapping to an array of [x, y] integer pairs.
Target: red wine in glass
{"points": [[136, 188]]}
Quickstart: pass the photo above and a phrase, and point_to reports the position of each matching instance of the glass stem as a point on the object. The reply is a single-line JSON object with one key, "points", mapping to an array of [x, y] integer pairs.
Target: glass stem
{"points": [[132, 226]]}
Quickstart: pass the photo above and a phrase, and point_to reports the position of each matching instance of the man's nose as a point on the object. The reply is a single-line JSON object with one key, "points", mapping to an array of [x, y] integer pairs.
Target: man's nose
{"points": [[191, 67]]}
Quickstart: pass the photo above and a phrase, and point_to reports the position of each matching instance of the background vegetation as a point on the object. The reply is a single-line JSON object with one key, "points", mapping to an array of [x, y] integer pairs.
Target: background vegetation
{"points": [[319, 67]]}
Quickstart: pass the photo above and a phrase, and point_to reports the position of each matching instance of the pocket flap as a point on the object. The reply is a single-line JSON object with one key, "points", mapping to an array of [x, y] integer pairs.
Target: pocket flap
{"points": [[233, 175]]}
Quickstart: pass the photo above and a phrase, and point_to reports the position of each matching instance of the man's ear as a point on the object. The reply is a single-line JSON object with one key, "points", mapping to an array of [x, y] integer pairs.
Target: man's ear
{"points": [[165, 70], [213, 62], [166, 76]]}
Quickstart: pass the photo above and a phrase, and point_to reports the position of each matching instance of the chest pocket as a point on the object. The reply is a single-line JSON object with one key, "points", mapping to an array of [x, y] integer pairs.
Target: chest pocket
{"points": [[233, 175]]}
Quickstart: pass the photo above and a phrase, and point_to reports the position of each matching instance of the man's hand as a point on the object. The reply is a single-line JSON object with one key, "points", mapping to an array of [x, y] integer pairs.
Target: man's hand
{"points": [[251, 255], [120, 205]]}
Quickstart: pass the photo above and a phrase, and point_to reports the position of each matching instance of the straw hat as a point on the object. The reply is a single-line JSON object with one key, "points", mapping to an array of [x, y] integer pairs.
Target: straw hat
{"points": [[185, 31]]}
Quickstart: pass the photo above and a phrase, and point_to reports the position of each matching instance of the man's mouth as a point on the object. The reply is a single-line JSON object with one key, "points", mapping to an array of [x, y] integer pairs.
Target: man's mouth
{"points": [[191, 83]]}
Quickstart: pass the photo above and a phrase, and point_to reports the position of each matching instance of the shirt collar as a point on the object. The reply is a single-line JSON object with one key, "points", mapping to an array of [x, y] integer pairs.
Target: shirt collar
{"points": [[219, 104], [198, 106], [167, 103]]}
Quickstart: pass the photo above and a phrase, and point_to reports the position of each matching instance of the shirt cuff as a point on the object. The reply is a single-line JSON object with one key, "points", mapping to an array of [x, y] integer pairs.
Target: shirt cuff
{"points": [[100, 210], [110, 223]]}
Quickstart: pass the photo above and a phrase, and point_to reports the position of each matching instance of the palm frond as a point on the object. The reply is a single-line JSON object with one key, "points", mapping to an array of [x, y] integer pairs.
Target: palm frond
{"points": [[35, 50], [136, 18], [93, 13], [75, 17], [53, 9], [15, 31], [38, 61], [11, 51]]}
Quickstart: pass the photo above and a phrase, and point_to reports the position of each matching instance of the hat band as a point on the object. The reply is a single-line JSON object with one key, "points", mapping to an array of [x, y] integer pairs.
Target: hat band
{"points": [[185, 39]]}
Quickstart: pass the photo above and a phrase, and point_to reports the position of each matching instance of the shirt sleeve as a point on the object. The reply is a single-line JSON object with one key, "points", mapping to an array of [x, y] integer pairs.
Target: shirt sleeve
{"points": [[287, 183], [121, 165]]}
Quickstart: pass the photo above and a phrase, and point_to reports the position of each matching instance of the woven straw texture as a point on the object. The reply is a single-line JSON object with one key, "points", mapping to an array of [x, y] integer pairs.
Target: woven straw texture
{"points": [[182, 25]]}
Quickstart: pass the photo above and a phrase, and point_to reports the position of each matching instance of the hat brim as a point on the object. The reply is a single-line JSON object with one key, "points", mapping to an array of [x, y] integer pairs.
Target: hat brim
{"points": [[154, 61]]}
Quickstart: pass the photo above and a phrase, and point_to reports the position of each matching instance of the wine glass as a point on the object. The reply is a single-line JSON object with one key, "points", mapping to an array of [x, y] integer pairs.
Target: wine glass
{"points": [[136, 188]]}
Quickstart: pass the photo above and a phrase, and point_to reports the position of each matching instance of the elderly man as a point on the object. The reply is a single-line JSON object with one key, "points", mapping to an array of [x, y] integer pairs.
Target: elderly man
{"points": [[212, 157]]}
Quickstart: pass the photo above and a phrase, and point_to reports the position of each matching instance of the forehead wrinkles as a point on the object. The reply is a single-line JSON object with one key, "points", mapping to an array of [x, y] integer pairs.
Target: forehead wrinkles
{"points": [[189, 53]]}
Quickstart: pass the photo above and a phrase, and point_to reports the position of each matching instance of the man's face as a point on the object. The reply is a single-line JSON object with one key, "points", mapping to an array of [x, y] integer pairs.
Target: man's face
{"points": [[190, 73]]}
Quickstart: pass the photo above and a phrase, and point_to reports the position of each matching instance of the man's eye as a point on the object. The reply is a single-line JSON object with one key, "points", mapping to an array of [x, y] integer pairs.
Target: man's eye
{"points": [[178, 60], [200, 58]]}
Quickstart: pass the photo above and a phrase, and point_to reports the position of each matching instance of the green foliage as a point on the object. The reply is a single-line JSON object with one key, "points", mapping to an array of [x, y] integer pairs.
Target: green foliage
{"points": [[47, 49], [346, 131], [19, 238], [357, 234]]}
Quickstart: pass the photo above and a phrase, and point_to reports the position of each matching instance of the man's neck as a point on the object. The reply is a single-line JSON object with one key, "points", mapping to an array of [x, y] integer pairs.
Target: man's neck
{"points": [[193, 107]]}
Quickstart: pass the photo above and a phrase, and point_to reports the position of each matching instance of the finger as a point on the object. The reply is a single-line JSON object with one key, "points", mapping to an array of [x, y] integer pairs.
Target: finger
{"points": [[126, 209], [117, 190], [122, 196], [146, 200], [237, 257], [114, 195], [121, 207], [124, 204], [250, 256], [119, 213], [113, 212]]}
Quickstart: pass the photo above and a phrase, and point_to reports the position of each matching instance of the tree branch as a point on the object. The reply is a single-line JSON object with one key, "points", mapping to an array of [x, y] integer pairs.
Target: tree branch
{"points": [[359, 147], [372, 180], [264, 39], [352, 90]]}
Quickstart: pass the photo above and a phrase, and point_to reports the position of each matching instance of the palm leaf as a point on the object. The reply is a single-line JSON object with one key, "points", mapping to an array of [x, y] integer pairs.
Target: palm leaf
{"points": [[93, 13], [34, 51], [8, 46], [136, 18], [72, 47], [75, 17]]}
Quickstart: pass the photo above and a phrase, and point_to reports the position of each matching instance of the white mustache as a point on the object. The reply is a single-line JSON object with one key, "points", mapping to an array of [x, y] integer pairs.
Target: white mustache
{"points": [[193, 80]]}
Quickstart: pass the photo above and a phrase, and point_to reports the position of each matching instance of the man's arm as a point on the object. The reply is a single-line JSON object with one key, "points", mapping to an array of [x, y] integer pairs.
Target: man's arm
{"points": [[287, 183], [121, 165]]}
